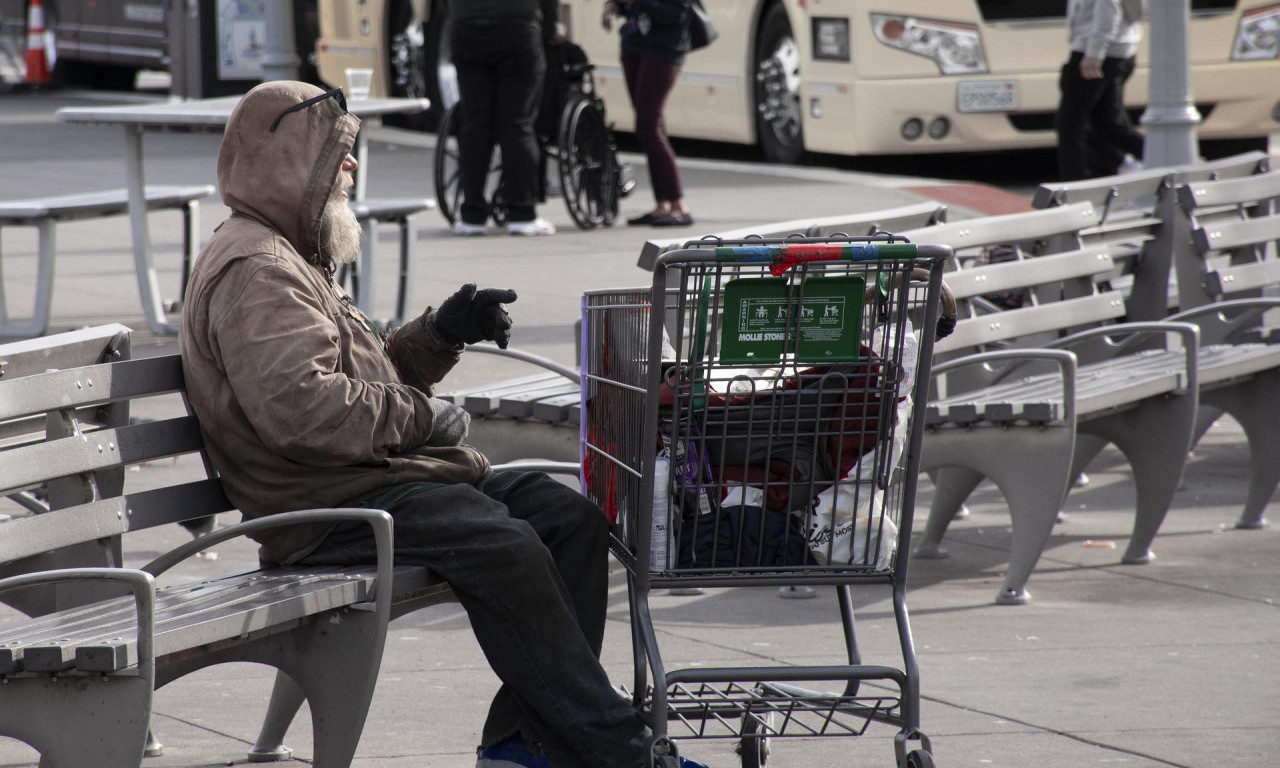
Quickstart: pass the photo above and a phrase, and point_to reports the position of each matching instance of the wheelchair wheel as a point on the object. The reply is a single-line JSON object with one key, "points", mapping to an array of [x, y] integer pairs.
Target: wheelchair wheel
{"points": [[587, 165], [448, 175]]}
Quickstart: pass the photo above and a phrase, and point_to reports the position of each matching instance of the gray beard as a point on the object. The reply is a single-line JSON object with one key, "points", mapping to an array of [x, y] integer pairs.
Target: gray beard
{"points": [[340, 232]]}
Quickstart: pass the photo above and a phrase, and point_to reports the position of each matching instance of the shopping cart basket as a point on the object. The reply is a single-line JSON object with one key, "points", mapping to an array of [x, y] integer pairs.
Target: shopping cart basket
{"points": [[754, 419]]}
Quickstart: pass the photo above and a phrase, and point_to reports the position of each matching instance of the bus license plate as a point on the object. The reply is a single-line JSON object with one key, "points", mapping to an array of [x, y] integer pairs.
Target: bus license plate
{"points": [[987, 95]]}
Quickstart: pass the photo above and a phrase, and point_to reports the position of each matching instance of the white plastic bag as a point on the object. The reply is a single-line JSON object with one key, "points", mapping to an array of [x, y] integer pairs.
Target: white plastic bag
{"points": [[849, 521]]}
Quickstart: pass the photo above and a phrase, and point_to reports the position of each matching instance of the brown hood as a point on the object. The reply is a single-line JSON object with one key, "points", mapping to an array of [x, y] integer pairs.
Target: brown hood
{"points": [[283, 178]]}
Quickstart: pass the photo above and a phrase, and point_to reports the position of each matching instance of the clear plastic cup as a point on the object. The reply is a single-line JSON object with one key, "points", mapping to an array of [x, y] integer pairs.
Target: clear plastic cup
{"points": [[358, 82]]}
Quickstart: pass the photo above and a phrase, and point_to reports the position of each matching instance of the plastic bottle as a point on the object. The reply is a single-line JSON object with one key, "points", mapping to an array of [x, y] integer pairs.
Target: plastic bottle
{"points": [[660, 531]]}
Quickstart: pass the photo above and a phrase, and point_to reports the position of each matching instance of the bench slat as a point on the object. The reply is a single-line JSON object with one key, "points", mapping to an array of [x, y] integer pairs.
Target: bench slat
{"points": [[35, 464], [1245, 190], [487, 400], [522, 404], [211, 611], [1234, 234], [1229, 281], [1012, 323], [111, 202], [27, 536], [89, 385], [1030, 272]]}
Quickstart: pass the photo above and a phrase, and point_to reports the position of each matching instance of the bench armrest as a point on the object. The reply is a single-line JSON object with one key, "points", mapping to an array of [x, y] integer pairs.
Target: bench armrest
{"points": [[377, 518], [1233, 315], [1189, 332], [538, 465], [140, 583], [1065, 359], [528, 357]]}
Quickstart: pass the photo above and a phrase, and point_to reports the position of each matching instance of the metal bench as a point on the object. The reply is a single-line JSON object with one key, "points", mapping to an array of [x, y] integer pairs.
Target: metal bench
{"points": [[1139, 216], [1027, 396], [1204, 235], [1228, 279], [45, 213], [78, 676]]}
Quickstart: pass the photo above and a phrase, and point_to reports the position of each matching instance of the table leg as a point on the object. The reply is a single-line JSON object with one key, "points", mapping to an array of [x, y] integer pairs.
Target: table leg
{"points": [[148, 285], [364, 288]]}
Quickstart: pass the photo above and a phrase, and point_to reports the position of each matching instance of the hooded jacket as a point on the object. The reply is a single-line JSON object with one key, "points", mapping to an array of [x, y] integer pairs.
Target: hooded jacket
{"points": [[299, 401]]}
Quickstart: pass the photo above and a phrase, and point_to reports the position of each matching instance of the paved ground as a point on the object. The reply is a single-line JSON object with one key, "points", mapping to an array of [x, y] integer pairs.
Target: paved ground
{"points": [[1171, 664]]}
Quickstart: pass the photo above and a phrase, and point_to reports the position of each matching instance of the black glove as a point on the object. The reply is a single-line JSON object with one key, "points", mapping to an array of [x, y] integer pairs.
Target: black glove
{"points": [[469, 316]]}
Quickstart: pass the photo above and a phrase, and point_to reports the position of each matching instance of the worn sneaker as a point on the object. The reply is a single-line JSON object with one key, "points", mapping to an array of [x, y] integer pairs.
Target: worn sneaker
{"points": [[464, 229], [531, 228], [687, 763], [511, 752]]}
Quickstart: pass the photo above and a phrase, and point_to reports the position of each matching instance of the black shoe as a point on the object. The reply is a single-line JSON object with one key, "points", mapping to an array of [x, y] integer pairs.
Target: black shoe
{"points": [[672, 220], [641, 221]]}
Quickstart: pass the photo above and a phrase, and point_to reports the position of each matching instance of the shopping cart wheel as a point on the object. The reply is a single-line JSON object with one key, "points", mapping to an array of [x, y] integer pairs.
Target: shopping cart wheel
{"points": [[754, 746], [919, 759]]}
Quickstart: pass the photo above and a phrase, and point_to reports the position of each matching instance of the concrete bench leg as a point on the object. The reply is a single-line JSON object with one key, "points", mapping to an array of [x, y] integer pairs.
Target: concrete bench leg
{"points": [[286, 700], [38, 323], [79, 721], [1254, 404], [1030, 466], [1155, 437], [332, 659]]}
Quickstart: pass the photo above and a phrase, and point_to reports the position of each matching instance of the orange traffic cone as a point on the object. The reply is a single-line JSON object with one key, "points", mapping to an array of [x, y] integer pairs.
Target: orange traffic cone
{"points": [[37, 62]]}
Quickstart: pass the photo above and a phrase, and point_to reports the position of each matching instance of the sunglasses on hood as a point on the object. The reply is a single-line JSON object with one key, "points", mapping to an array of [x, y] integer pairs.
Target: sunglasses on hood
{"points": [[335, 94]]}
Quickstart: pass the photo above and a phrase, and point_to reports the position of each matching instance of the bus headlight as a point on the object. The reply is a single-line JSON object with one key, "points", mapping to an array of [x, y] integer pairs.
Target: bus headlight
{"points": [[956, 48], [1259, 35]]}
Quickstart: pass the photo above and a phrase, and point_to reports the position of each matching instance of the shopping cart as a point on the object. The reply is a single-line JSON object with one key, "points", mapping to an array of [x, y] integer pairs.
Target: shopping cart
{"points": [[754, 419]]}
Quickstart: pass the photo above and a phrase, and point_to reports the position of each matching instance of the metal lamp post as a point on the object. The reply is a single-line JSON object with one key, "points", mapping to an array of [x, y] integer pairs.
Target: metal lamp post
{"points": [[1171, 117]]}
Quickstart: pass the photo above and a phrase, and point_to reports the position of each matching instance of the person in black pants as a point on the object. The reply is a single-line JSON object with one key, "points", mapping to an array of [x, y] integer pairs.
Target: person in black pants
{"points": [[1094, 133], [498, 53]]}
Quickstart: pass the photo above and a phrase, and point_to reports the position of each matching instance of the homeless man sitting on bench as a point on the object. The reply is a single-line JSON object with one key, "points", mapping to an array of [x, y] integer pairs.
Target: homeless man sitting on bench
{"points": [[303, 404]]}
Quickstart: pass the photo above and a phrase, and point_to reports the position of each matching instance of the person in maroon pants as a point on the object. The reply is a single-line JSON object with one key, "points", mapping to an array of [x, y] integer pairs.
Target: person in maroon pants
{"points": [[655, 39]]}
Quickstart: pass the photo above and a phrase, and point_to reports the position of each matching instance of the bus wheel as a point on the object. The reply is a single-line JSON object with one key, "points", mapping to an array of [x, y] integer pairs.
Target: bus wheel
{"points": [[777, 87]]}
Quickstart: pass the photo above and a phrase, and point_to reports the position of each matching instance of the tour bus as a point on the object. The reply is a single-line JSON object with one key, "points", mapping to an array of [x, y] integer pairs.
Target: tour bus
{"points": [[850, 77]]}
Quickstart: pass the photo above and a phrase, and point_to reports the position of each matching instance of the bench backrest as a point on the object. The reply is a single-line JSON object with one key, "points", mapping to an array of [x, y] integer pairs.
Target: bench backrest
{"points": [[1233, 227], [1138, 216], [1045, 283], [69, 442]]}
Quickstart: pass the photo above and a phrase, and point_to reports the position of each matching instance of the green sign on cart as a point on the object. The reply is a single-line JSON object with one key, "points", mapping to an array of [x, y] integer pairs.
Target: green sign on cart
{"points": [[765, 318]]}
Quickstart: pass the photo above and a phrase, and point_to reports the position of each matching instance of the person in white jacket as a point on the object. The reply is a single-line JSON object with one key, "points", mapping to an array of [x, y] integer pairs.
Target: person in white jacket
{"points": [[1095, 137]]}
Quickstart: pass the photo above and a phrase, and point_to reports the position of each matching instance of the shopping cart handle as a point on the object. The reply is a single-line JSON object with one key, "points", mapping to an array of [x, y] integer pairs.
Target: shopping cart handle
{"points": [[784, 256]]}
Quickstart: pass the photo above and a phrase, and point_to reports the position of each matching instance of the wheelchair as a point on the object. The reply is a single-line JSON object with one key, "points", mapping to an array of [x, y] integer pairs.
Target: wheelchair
{"points": [[572, 132]]}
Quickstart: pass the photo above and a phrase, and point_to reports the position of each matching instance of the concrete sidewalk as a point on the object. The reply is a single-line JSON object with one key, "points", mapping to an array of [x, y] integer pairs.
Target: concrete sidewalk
{"points": [[1175, 663]]}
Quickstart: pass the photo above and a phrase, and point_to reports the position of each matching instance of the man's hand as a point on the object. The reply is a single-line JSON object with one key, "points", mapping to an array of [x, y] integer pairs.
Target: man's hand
{"points": [[1091, 69], [449, 423], [469, 316]]}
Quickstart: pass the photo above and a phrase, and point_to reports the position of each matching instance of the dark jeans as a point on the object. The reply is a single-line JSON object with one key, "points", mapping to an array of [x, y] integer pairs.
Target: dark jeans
{"points": [[1094, 133], [649, 81], [500, 68], [527, 557]]}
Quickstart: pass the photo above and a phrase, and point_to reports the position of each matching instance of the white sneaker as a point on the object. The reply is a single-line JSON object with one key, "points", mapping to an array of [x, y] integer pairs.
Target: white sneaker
{"points": [[538, 226], [464, 229]]}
